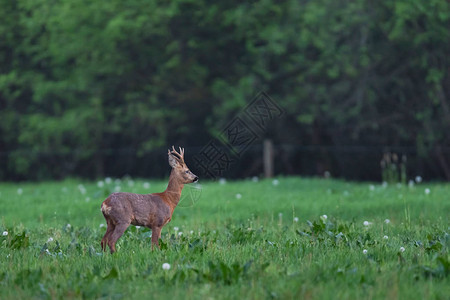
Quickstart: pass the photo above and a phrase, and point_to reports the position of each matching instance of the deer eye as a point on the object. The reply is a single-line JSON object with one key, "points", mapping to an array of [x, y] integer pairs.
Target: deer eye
{"points": [[187, 171]]}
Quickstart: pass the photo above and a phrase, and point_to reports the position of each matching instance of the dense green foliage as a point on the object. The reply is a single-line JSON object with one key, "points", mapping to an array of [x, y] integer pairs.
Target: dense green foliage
{"points": [[289, 238], [87, 83]]}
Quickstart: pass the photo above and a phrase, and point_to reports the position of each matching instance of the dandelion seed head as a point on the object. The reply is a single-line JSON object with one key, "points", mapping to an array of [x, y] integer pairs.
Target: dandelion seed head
{"points": [[130, 183], [411, 183], [384, 184], [295, 219], [50, 239], [191, 232], [117, 188], [387, 221], [427, 191], [327, 174], [418, 179], [176, 228], [255, 179], [365, 251], [402, 249], [385, 237], [366, 223], [19, 191], [325, 217], [166, 266], [371, 187], [146, 185], [100, 184], [275, 182], [108, 180], [102, 225], [5, 233], [238, 196], [180, 233], [222, 181]]}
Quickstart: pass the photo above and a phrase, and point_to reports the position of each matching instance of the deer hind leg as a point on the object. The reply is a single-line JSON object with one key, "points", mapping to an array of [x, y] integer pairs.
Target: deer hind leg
{"points": [[109, 230], [116, 234]]}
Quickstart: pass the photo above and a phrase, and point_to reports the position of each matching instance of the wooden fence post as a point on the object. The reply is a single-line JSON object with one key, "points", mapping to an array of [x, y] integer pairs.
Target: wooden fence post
{"points": [[268, 158]]}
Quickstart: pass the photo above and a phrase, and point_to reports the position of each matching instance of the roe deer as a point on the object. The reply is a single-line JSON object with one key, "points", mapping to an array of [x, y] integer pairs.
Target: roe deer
{"points": [[150, 210]]}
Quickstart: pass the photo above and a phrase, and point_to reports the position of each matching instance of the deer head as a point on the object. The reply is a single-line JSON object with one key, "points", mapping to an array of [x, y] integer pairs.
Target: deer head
{"points": [[182, 172]]}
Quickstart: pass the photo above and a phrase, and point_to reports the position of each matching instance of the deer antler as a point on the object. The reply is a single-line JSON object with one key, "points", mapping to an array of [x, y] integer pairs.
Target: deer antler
{"points": [[178, 155]]}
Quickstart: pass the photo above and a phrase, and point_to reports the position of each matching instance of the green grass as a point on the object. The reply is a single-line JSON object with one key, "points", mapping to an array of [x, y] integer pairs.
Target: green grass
{"points": [[247, 247]]}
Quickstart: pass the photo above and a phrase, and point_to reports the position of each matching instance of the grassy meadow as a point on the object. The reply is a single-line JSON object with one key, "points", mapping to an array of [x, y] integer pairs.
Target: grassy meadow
{"points": [[287, 238]]}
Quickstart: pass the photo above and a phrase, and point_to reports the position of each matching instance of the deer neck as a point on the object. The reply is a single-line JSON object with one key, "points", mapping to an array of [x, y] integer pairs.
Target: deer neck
{"points": [[173, 191]]}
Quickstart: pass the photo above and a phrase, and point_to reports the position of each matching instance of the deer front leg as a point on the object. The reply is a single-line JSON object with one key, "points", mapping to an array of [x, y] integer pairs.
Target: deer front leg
{"points": [[156, 235]]}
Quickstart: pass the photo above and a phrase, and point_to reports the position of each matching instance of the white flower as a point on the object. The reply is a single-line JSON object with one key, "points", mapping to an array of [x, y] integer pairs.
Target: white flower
{"points": [[48, 252], [19, 191], [366, 223], [138, 227], [418, 179], [325, 217], [191, 232], [108, 180], [275, 182], [100, 184], [384, 184], [102, 225], [117, 188], [255, 179], [180, 233], [5, 233], [296, 219], [427, 191], [146, 185], [222, 181], [238, 196], [166, 266], [68, 225], [176, 228], [411, 184], [50, 239], [371, 187], [387, 221], [402, 249], [385, 237], [365, 251]]}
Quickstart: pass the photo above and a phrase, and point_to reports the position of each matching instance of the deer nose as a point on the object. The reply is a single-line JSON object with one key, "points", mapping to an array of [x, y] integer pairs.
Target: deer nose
{"points": [[195, 179]]}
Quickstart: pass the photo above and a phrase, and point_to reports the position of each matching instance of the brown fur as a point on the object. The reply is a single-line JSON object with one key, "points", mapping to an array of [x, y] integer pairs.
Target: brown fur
{"points": [[150, 210]]}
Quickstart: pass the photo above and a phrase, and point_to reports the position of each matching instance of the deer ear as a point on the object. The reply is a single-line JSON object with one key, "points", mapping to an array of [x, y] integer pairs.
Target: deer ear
{"points": [[172, 161]]}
